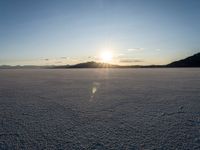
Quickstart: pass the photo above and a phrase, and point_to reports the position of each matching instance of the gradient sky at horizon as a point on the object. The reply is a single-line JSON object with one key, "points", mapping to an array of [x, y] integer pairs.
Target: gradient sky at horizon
{"points": [[43, 32]]}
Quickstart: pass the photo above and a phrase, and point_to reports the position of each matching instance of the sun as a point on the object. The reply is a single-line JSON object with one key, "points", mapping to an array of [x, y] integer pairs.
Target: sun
{"points": [[106, 56]]}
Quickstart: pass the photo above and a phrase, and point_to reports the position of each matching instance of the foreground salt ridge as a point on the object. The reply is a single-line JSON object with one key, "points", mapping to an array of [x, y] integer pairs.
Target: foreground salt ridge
{"points": [[129, 109]]}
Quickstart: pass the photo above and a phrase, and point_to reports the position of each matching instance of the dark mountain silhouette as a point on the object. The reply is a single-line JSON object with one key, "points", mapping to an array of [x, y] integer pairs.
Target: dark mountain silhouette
{"points": [[192, 61], [93, 64]]}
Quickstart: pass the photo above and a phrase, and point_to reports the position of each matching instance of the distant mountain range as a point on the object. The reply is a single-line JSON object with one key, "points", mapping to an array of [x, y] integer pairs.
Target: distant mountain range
{"points": [[93, 64], [192, 61]]}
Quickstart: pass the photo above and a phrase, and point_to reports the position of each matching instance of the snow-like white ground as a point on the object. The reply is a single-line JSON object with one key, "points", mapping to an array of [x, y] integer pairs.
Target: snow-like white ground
{"points": [[100, 109]]}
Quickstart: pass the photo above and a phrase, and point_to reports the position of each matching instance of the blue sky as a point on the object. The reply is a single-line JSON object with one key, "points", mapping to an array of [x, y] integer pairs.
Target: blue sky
{"points": [[43, 32]]}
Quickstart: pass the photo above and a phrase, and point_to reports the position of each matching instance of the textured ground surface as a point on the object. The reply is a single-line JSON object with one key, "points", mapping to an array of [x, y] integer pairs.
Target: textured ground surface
{"points": [[100, 109]]}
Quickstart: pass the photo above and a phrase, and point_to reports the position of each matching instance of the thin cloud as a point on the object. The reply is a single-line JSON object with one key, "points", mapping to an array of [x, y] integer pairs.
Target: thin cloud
{"points": [[135, 49], [91, 57], [120, 55], [64, 58], [129, 60]]}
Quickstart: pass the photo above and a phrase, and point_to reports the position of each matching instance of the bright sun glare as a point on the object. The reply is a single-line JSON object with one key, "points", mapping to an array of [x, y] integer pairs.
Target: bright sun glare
{"points": [[106, 56]]}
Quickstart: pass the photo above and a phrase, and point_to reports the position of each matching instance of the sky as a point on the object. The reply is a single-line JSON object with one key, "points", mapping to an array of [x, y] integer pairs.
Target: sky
{"points": [[134, 32]]}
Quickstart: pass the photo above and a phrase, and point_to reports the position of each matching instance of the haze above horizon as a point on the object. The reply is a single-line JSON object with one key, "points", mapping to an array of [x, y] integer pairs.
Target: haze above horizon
{"points": [[129, 32]]}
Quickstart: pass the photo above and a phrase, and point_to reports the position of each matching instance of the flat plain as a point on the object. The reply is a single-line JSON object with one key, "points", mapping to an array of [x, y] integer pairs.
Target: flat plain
{"points": [[100, 108]]}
